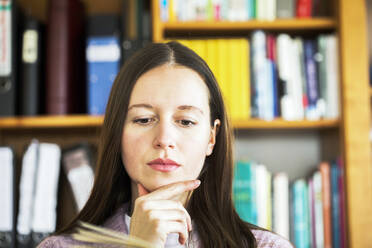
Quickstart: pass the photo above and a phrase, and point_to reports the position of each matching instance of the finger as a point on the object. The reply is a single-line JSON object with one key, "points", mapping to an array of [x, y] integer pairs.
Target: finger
{"points": [[177, 227], [141, 190], [173, 190], [180, 215], [167, 205]]}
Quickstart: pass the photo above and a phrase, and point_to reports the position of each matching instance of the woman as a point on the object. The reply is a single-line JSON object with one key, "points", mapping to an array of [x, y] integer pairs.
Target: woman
{"points": [[166, 126]]}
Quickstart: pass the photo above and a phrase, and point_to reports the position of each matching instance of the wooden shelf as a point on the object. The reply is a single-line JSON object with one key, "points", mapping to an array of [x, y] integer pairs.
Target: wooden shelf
{"points": [[280, 24], [96, 121], [283, 124], [51, 122]]}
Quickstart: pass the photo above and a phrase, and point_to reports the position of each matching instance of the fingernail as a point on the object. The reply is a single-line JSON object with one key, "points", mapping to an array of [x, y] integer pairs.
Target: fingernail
{"points": [[197, 182]]}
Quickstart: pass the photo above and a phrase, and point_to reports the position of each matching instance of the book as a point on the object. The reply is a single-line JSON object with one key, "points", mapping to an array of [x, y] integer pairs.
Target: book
{"points": [[32, 62], [263, 188], [312, 112], [325, 172], [8, 50], [318, 209], [332, 78], [27, 195], [311, 212], [242, 190], [335, 206], [95, 235], [301, 214], [304, 8], [44, 215], [285, 8], [103, 57], [77, 165], [281, 205], [7, 196], [285, 61], [65, 71]]}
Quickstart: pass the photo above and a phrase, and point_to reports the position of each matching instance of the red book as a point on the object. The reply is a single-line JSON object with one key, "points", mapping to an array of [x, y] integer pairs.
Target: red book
{"points": [[65, 82], [325, 171], [271, 45], [304, 8]]}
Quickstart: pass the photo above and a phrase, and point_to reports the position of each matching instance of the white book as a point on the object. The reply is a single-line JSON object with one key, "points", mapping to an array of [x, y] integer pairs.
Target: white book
{"points": [[296, 82], [285, 71], [333, 81], [45, 204], [261, 77], [79, 174], [26, 189], [6, 189], [319, 230], [271, 10], [281, 205], [262, 190], [261, 6]]}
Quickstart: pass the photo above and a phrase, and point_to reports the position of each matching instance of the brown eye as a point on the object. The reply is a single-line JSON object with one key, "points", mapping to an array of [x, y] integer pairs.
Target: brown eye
{"points": [[187, 123], [143, 121]]}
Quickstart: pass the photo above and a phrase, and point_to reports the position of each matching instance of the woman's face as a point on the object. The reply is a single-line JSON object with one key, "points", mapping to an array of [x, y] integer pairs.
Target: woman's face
{"points": [[167, 132]]}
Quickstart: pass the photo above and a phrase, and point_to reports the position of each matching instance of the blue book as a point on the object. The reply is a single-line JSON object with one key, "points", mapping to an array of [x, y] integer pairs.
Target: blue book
{"points": [[103, 58], [251, 9], [301, 214], [335, 201], [242, 188], [275, 89], [311, 75]]}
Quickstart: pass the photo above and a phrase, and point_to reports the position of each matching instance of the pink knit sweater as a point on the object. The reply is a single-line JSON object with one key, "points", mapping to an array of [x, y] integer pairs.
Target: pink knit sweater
{"points": [[120, 222]]}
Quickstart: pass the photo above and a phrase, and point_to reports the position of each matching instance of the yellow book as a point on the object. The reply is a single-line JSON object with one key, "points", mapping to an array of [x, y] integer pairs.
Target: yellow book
{"points": [[172, 11], [212, 56], [245, 80], [224, 71], [199, 46], [234, 77]]}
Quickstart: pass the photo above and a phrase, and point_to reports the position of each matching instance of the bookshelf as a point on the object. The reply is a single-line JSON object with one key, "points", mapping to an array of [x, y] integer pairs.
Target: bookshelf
{"points": [[349, 22], [349, 134]]}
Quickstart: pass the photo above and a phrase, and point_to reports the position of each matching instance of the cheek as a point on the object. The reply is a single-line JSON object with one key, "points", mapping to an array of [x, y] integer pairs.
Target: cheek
{"points": [[195, 150], [131, 147]]}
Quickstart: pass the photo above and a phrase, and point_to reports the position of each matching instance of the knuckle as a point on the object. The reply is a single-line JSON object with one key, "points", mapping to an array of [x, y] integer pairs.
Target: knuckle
{"points": [[157, 225]]}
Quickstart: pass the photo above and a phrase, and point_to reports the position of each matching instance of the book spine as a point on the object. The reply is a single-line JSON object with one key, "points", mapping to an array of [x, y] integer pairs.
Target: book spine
{"points": [[31, 77], [304, 8], [312, 212], [280, 205], [311, 79], [318, 207], [241, 185], [65, 53], [336, 237], [284, 8], [324, 168], [8, 47], [301, 224]]}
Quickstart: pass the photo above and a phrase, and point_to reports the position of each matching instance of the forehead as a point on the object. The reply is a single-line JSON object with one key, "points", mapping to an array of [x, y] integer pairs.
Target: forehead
{"points": [[170, 84]]}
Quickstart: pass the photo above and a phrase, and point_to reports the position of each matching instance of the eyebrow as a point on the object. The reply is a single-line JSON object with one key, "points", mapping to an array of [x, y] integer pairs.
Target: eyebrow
{"points": [[182, 107]]}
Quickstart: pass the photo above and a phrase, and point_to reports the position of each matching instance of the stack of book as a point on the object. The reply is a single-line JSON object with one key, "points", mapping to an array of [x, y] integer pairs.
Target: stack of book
{"points": [[240, 10], [270, 76], [309, 211]]}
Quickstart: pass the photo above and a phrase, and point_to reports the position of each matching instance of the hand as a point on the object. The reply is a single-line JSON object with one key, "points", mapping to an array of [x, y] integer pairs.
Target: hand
{"points": [[161, 212]]}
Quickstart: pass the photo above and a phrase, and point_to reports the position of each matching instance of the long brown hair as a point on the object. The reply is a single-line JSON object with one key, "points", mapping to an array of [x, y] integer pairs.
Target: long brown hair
{"points": [[210, 206]]}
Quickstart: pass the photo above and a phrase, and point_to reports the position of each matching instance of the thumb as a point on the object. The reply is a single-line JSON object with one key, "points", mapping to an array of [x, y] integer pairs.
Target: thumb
{"points": [[141, 190]]}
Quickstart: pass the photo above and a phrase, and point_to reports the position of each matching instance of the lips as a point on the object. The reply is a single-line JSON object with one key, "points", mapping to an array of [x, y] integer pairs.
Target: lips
{"points": [[163, 165]]}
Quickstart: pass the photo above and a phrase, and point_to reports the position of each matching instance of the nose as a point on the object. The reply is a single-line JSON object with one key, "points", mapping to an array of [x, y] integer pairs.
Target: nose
{"points": [[164, 136]]}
